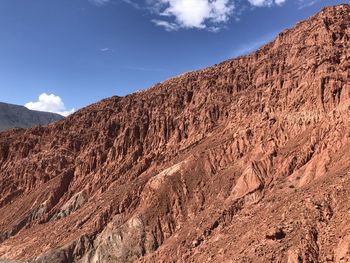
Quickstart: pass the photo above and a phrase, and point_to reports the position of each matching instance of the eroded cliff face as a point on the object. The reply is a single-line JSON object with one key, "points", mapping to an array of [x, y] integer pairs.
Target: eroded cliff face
{"points": [[246, 161]]}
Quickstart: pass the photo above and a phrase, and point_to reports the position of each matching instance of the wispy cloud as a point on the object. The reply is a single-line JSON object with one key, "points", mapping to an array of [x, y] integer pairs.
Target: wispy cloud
{"points": [[103, 2], [132, 3], [146, 69], [49, 103], [253, 46], [306, 3], [262, 3], [105, 49], [99, 2], [168, 26]]}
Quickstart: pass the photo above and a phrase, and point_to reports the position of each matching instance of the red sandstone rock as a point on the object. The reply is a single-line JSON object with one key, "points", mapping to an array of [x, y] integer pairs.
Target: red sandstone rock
{"points": [[246, 161]]}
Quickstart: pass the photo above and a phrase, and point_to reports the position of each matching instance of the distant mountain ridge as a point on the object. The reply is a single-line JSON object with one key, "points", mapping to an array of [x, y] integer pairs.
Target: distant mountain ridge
{"points": [[16, 116]]}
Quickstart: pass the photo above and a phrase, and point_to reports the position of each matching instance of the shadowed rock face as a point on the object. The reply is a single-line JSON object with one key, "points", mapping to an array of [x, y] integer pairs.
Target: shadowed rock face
{"points": [[246, 161], [15, 116]]}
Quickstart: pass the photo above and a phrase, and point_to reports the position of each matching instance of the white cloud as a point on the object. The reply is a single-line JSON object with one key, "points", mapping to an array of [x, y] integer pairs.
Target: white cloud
{"points": [[105, 49], [260, 3], [198, 14], [49, 103], [280, 2], [211, 15]]}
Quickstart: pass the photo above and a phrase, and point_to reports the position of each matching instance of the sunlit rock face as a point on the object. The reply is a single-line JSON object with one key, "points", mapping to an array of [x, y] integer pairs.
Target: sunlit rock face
{"points": [[246, 161]]}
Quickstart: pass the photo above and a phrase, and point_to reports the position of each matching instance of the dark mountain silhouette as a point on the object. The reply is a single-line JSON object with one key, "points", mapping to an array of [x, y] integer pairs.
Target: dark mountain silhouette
{"points": [[15, 116]]}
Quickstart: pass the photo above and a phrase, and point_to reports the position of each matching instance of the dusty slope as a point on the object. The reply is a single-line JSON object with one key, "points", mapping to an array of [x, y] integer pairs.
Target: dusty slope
{"points": [[16, 116], [246, 161]]}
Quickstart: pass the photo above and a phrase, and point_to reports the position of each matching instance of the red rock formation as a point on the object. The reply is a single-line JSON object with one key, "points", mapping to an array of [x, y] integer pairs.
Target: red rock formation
{"points": [[246, 161]]}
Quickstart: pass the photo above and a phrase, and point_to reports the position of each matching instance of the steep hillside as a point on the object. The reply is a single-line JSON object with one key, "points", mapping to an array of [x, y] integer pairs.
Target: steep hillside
{"points": [[246, 161], [15, 116]]}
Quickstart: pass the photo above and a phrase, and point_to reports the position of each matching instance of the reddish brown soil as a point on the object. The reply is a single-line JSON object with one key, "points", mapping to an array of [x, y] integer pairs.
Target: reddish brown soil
{"points": [[246, 161]]}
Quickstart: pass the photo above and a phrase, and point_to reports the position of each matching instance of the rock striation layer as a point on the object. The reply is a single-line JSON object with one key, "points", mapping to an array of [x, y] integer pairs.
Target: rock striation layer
{"points": [[246, 161]]}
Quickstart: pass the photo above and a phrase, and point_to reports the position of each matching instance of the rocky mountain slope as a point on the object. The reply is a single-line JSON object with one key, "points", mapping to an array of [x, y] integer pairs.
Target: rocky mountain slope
{"points": [[15, 116], [246, 161]]}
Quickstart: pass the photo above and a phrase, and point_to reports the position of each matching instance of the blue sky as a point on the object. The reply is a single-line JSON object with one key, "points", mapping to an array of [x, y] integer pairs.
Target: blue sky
{"points": [[86, 50]]}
